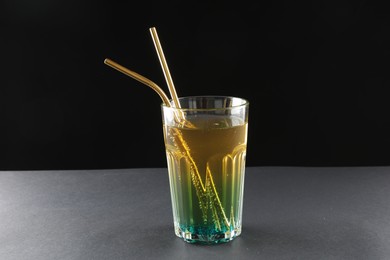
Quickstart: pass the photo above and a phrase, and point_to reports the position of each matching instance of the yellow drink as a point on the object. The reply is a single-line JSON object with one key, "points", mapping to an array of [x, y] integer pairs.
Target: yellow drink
{"points": [[206, 167]]}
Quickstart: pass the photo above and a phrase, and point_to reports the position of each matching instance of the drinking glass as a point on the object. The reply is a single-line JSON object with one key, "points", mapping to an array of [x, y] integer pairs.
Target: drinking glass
{"points": [[205, 142]]}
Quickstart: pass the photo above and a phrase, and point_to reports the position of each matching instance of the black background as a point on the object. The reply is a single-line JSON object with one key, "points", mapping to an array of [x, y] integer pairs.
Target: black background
{"points": [[316, 75]]}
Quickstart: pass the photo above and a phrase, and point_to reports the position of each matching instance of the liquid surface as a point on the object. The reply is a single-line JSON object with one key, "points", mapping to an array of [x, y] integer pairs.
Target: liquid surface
{"points": [[206, 170]]}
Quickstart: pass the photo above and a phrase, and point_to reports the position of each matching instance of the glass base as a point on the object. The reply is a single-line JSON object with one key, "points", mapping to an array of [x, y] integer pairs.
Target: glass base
{"points": [[206, 237]]}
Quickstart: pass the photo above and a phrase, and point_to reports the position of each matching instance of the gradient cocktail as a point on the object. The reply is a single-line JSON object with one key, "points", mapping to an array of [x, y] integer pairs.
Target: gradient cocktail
{"points": [[206, 153]]}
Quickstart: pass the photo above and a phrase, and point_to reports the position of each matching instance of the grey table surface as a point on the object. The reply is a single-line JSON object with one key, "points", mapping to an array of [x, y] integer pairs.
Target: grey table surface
{"points": [[289, 213]]}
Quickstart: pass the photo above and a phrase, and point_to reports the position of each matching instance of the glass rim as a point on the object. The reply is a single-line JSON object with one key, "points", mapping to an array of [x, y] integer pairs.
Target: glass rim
{"points": [[244, 103]]}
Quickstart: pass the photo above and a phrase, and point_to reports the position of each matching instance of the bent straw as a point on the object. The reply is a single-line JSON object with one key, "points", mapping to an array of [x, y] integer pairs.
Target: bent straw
{"points": [[197, 180], [164, 66], [140, 78]]}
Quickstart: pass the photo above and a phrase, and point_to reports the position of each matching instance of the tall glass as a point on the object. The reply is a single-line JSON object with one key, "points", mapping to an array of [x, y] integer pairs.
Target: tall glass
{"points": [[205, 141]]}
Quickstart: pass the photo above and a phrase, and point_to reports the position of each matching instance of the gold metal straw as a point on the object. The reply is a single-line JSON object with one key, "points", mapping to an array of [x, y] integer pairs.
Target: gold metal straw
{"points": [[197, 180], [140, 78], [164, 66]]}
